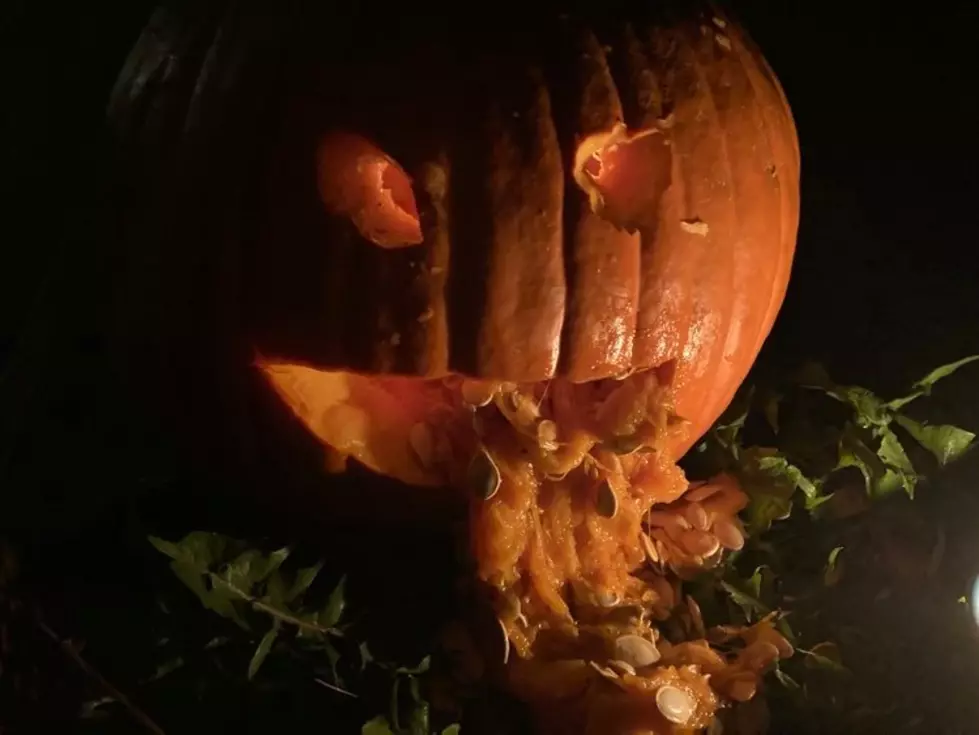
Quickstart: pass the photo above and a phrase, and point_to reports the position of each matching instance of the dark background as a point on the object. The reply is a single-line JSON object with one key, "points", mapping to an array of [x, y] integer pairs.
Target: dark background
{"points": [[884, 285]]}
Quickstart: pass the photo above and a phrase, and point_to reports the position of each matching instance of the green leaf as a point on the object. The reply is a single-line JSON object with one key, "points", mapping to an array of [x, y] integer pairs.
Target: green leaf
{"points": [[366, 656], [423, 666], [331, 614], [275, 590], [761, 584], [165, 668], [193, 577], [824, 656], [779, 466], [946, 443], [418, 722], [855, 453], [395, 690], [833, 572], [242, 573], [198, 548], [452, 730], [923, 387], [263, 649], [304, 579], [886, 470], [870, 410], [252, 567], [900, 472], [787, 681], [782, 624], [378, 726], [193, 557], [174, 551], [743, 596], [770, 481]]}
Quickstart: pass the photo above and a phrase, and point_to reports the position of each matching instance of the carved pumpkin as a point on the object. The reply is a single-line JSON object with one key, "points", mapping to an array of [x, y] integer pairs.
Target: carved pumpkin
{"points": [[536, 261]]}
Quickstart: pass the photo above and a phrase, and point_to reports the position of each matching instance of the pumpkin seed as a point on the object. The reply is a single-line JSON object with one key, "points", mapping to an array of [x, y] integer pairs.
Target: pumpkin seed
{"points": [[478, 392], [665, 519], [699, 543], [606, 503], [696, 617], [675, 705], [785, 649], [484, 476], [622, 667], [695, 513], [606, 672], [743, 686], [728, 534], [506, 641], [636, 651], [607, 599], [547, 435], [650, 548], [759, 655], [701, 492]]}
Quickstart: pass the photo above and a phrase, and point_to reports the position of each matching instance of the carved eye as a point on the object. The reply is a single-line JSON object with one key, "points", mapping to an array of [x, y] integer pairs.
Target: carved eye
{"points": [[624, 175], [358, 180]]}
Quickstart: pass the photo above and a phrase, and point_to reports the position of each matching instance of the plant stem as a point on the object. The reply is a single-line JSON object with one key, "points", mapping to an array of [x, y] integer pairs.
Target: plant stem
{"points": [[69, 650], [268, 609]]}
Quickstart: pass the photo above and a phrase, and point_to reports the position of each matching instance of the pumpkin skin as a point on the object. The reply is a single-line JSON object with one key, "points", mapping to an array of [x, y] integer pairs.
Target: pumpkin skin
{"points": [[512, 274]]}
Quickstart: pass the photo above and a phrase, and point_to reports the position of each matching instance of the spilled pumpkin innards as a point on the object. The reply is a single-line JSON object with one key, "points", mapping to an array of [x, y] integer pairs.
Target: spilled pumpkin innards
{"points": [[583, 528]]}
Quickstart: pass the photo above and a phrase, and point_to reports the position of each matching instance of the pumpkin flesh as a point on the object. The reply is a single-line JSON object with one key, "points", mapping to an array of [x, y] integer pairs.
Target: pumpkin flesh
{"points": [[561, 534]]}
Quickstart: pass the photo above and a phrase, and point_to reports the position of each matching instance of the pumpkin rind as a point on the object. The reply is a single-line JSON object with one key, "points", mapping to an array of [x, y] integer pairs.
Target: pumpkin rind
{"points": [[517, 278], [221, 114]]}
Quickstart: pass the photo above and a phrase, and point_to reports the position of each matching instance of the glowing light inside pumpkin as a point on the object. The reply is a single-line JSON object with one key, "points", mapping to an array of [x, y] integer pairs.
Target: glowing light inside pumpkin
{"points": [[624, 175], [358, 180]]}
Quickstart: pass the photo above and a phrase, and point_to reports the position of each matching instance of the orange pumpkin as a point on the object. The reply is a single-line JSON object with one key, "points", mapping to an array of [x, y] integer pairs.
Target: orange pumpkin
{"points": [[480, 237], [535, 259]]}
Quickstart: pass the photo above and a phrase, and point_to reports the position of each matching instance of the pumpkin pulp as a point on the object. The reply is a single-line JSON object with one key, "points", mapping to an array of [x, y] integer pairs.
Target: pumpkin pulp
{"points": [[580, 521]]}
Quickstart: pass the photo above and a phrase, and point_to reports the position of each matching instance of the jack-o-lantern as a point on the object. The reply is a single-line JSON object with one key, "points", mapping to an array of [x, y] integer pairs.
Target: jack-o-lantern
{"points": [[532, 261]]}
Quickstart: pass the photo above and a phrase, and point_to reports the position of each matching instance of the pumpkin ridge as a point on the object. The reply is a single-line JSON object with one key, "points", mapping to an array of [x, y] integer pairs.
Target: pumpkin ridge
{"points": [[603, 260], [721, 365], [786, 182], [521, 325]]}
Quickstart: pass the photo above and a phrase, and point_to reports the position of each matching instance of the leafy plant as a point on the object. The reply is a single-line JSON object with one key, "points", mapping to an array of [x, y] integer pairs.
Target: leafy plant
{"points": [[242, 584], [795, 457]]}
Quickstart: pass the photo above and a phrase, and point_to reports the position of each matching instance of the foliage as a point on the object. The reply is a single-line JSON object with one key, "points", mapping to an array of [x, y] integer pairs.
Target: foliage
{"points": [[814, 457]]}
